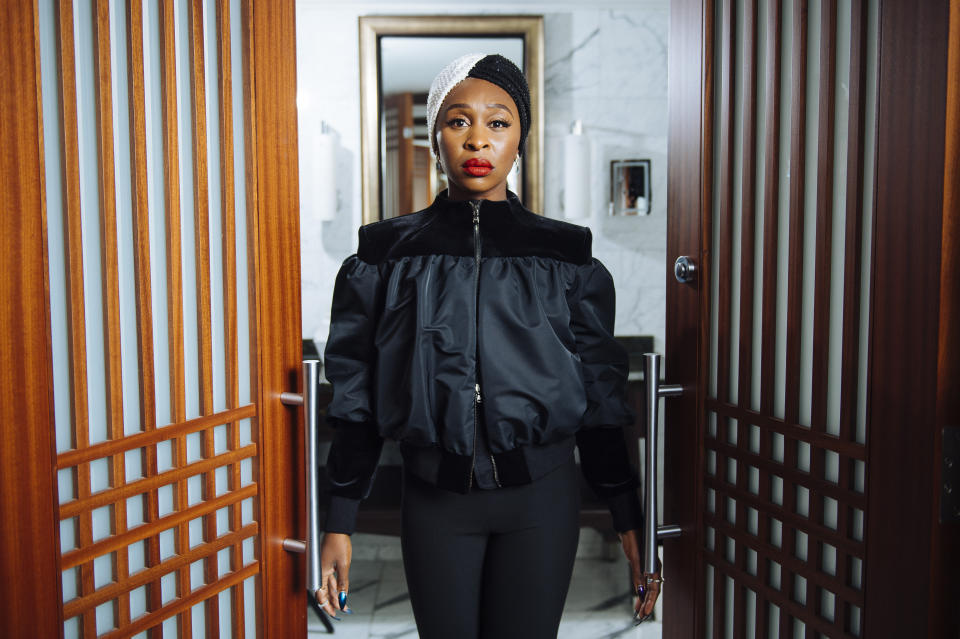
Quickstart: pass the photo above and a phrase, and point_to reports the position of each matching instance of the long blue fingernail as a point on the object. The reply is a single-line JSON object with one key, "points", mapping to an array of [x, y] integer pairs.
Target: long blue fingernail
{"points": [[343, 599]]}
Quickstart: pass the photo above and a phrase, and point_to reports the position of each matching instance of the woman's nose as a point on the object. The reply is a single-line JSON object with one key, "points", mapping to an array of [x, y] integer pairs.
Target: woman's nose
{"points": [[477, 139]]}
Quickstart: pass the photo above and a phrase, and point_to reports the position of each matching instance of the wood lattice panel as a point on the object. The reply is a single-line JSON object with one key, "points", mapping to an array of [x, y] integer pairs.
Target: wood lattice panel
{"points": [[790, 176], [147, 113]]}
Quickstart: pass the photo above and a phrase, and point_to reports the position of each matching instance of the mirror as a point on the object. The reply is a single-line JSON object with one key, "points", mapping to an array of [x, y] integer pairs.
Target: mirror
{"points": [[399, 57]]}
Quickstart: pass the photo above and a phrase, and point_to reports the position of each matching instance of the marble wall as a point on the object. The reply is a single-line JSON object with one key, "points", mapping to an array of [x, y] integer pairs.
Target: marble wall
{"points": [[605, 65]]}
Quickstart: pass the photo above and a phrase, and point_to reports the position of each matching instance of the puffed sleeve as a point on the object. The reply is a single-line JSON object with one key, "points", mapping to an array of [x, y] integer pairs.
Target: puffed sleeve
{"points": [[349, 362], [600, 440]]}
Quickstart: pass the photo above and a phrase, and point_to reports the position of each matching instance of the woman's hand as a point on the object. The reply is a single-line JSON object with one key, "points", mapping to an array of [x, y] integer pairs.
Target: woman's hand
{"points": [[335, 553], [631, 548]]}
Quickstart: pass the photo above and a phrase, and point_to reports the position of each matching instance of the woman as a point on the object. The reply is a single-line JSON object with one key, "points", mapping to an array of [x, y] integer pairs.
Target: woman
{"points": [[480, 336]]}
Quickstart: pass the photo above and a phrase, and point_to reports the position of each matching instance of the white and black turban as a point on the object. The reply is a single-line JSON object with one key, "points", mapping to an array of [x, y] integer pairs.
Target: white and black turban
{"points": [[493, 68]]}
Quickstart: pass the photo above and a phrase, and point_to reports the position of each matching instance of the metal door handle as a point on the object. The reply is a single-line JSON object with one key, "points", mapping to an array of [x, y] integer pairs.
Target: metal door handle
{"points": [[311, 424], [655, 390]]}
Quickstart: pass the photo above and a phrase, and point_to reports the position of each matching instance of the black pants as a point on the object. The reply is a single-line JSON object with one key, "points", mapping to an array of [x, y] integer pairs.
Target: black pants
{"points": [[491, 563]]}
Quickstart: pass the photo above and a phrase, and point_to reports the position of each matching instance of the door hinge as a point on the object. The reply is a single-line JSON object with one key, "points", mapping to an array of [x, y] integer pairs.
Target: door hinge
{"points": [[950, 477]]}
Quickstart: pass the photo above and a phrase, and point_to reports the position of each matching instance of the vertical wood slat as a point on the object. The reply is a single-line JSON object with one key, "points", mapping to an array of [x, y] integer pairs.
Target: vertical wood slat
{"points": [[142, 273], [111, 287], [719, 582], [795, 278], [201, 205], [747, 259], [822, 273], [228, 228], [725, 258], [201, 225], [748, 200], [852, 284], [251, 155], [771, 209], [797, 181], [725, 222], [824, 220], [171, 177], [75, 290]]}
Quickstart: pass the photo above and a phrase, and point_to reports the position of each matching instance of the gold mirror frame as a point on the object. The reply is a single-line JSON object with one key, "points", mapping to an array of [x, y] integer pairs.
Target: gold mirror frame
{"points": [[372, 28]]}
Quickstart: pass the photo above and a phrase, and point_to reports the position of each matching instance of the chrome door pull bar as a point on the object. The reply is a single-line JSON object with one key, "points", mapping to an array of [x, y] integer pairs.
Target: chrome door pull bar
{"points": [[652, 533], [311, 424]]}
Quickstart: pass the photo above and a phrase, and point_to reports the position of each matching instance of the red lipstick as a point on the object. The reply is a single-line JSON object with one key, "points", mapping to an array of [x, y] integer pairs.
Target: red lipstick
{"points": [[477, 167]]}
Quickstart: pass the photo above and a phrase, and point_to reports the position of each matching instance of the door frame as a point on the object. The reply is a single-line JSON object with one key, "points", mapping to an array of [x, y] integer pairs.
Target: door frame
{"points": [[690, 87], [273, 72], [909, 397], [30, 584], [30, 578]]}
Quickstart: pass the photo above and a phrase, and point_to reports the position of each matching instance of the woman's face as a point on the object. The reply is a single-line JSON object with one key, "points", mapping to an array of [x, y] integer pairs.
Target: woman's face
{"points": [[478, 137]]}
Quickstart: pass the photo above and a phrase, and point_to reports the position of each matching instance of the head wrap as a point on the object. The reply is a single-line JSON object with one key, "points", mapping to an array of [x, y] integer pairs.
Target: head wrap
{"points": [[493, 68]]}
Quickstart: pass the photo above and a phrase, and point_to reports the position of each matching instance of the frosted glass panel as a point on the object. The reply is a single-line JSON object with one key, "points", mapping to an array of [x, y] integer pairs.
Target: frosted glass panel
{"points": [[215, 241], [250, 606], [68, 534], [90, 224], [103, 570], [240, 197], [126, 241], [59, 329], [138, 602], [105, 616], [198, 616], [187, 231], [224, 608]]}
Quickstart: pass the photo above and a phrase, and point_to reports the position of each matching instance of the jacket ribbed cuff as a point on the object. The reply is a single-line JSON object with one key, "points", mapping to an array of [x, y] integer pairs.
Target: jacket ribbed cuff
{"points": [[342, 515], [626, 511]]}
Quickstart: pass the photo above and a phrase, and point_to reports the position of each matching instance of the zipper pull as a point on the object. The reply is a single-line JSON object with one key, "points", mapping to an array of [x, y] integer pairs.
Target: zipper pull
{"points": [[479, 398], [476, 211]]}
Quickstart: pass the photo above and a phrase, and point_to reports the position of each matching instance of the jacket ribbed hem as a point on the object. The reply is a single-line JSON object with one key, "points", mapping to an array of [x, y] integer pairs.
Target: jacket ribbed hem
{"points": [[450, 471]]}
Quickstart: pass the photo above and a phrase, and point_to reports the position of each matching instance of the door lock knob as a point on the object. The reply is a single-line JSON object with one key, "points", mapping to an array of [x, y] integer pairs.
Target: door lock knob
{"points": [[684, 269]]}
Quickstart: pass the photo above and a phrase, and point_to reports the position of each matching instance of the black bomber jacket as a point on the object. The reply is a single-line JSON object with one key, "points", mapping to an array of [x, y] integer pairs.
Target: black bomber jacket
{"points": [[479, 335]]}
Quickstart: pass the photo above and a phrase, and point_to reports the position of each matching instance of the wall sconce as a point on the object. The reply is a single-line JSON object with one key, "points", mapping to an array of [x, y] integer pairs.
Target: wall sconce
{"points": [[575, 195], [319, 197], [630, 187]]}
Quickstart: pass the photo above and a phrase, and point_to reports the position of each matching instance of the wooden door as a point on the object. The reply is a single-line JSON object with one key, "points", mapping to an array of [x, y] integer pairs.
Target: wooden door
{"points": [[151, 318], [807, 165]]}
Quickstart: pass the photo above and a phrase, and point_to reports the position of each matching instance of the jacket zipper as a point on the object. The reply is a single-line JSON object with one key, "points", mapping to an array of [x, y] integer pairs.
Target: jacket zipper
{"points": [[477, 397]]}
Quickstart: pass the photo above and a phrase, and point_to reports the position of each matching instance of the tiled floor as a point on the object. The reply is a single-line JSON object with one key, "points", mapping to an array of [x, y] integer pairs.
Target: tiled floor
{"points": [[597, 605]]}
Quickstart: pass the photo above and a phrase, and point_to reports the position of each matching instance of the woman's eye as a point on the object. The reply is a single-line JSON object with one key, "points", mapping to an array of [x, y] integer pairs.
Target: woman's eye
{"points": [[457, 122], [499, 124]]}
